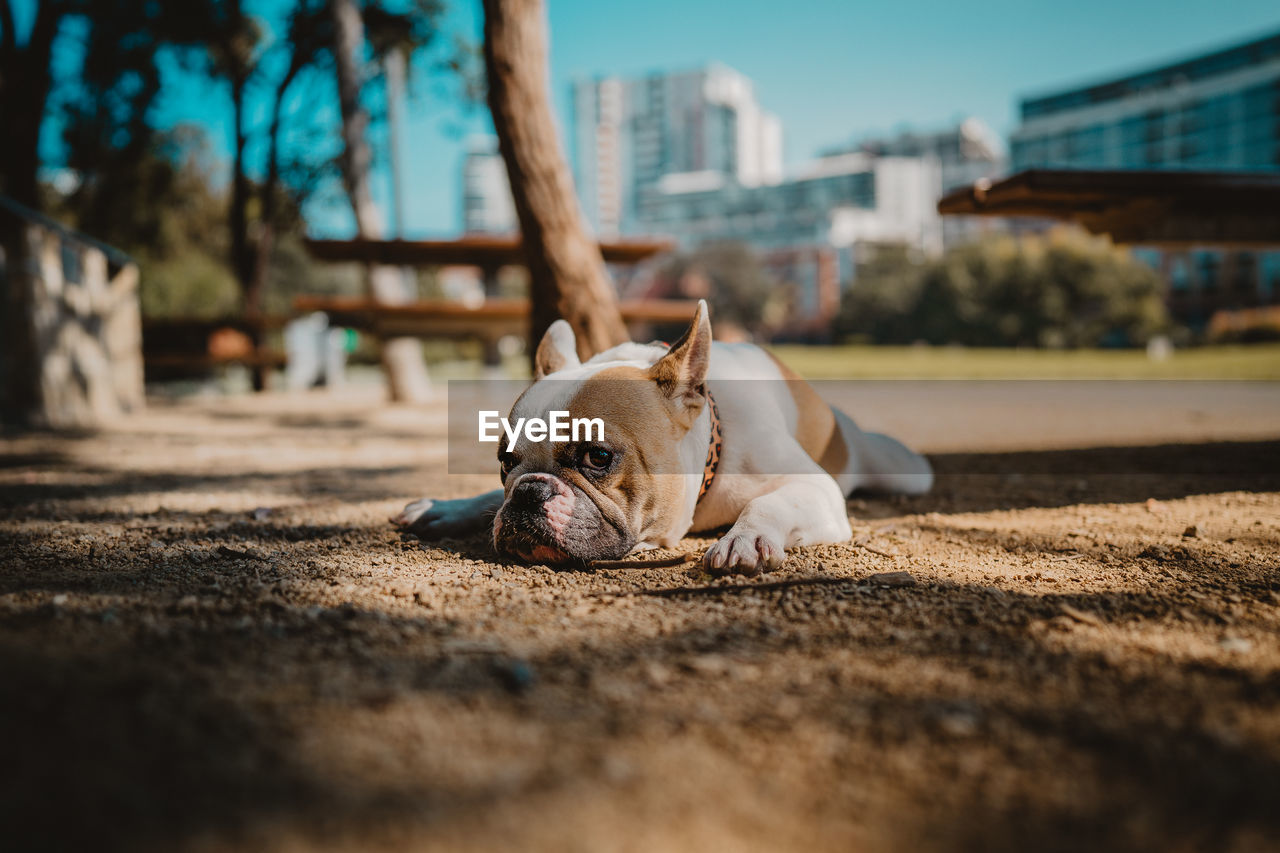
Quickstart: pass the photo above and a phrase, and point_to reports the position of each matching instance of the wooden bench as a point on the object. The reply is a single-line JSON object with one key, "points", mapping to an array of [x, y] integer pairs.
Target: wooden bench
{"points": [[492, 318], [184, 348], [490, 321]]}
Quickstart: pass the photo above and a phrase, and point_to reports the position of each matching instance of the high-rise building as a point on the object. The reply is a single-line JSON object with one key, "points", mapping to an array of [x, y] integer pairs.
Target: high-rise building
{"points": [[486, 196], [810, 226], [1216, 111], [839, 200], [1220, 110], [630, 133], [965, 152]]}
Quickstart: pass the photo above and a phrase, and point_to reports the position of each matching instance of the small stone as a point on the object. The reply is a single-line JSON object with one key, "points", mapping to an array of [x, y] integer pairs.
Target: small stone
{"points": [[496, 573], [261, 513], [1235, 645], [656, 674], [1156, 552], [617, 769], [958, 723], [1081, 616], [61, 599], [892, 579], [1191, 532], [712, 665], [1154, 506]]}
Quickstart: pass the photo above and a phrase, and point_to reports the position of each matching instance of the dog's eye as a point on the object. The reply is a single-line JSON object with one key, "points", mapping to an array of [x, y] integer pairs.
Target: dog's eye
{"points": [[507, 461], [596, 458]]}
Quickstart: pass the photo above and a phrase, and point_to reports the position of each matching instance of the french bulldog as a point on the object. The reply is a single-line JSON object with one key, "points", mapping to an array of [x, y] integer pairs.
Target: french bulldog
{"points": [[687, 446]]}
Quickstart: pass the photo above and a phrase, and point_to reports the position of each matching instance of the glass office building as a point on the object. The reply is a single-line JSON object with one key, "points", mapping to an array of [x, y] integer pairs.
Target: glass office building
{"points": [[1213, 112], [1216, 111]]}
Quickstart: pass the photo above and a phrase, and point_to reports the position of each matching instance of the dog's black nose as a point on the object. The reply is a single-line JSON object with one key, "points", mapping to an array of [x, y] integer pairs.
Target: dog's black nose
{"points": [[532, 493]]}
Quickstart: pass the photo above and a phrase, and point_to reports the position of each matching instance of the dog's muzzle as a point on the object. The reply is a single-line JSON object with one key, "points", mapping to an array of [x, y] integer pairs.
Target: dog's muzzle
{"points": [[546, 520]]}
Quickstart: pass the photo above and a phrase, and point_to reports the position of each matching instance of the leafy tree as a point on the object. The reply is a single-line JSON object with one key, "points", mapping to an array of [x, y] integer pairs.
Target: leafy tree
{"points": [[730, 277], [178, 232], [102, 105], [887, 289], [180, 236], [1062, 290]]}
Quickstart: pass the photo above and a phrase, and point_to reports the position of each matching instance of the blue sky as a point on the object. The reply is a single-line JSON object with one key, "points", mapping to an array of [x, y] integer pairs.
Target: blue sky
{"points": [[833, 71]]}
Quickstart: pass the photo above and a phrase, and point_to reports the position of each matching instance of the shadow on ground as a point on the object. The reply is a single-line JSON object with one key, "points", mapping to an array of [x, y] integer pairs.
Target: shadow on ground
{"points": [[966, 482], [1082, 675], [172, 724]]}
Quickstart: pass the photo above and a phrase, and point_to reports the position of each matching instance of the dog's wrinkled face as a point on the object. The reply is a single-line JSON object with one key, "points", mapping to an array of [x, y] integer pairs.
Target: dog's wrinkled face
{"points": [[599, 497]]}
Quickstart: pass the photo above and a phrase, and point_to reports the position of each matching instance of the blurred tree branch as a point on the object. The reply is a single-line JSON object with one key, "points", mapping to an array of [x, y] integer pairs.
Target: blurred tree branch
{"points": [[8, 36], [131, 183]]}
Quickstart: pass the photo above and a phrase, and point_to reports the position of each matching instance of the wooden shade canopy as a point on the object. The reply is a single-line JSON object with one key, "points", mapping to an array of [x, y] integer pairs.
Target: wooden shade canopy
{"points": [[1159, 208]]}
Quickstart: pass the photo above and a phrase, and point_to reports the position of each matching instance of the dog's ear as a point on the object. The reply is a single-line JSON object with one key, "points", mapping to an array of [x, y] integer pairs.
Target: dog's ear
{"points": [[558, 350], [681, 372]]}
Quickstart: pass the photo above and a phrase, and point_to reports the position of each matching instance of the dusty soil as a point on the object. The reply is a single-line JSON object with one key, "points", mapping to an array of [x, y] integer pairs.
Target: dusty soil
{"points": [[211, 639]]}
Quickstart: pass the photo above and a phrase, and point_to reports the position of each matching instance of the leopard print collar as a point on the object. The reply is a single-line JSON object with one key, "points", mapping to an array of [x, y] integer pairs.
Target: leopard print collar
{"points": [[717, 440], [713, 452]]}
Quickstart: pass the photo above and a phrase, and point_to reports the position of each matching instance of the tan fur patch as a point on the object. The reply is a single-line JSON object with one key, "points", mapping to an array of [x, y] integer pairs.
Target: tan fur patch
{"points": [[647, 487], [817, 430]]}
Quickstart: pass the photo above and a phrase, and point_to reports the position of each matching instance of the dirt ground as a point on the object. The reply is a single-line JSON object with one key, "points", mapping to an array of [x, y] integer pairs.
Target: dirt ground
{"points": [[211, 639]]}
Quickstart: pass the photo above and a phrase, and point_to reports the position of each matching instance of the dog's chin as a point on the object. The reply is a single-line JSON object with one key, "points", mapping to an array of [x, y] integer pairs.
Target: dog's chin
{"points": [[542, 547], [565, 528], [573, 550], [548, 554]]}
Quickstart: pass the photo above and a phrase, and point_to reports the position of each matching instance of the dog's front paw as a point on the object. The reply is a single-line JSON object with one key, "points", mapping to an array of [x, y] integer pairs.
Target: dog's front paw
{"points": [[433, 519], [744, 552]]}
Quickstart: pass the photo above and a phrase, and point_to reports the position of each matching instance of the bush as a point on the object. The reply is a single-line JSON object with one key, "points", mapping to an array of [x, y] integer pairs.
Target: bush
{"points": [[729, 275], [1062, 290]]}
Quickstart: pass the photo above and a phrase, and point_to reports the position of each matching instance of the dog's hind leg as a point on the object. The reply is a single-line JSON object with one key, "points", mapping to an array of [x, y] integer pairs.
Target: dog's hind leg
{"points": [[880, 463]]}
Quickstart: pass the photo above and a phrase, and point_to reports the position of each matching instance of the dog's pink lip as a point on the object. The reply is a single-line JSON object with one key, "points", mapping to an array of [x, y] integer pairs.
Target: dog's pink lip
{"points": [[544, 554], [557, 513]]}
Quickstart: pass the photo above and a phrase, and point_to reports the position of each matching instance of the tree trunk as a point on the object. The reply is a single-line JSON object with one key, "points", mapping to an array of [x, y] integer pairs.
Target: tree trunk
{"points": [[567, 273], [401, 357], [269, 193], [25, 81], [244, 260]]}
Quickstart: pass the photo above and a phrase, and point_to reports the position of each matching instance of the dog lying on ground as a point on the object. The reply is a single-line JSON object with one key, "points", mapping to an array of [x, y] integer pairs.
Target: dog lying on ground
{"points": [[687, 446]]}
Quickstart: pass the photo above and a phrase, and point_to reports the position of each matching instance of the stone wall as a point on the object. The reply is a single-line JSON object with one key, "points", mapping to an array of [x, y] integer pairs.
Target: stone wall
{"points": [[72, 326]]}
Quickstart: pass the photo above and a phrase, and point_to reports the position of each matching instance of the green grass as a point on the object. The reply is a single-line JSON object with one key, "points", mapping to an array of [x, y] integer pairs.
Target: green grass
{"points": [[1257, 362]]}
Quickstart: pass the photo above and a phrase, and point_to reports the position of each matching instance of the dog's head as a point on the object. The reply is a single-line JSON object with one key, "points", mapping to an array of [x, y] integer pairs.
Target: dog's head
{"points": [[598, 496]]}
